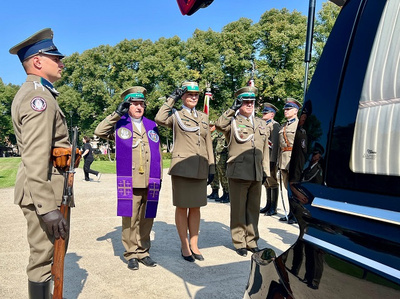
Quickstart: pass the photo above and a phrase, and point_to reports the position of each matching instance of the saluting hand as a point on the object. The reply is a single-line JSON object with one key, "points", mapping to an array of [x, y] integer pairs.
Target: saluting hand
{"points": [[178, 93], [237, 104], [122, 108], [56, 224]]}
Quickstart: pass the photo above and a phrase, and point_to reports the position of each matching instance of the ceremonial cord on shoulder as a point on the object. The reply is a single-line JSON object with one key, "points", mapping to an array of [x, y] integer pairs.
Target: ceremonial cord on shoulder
{"points": [[237, 137]]}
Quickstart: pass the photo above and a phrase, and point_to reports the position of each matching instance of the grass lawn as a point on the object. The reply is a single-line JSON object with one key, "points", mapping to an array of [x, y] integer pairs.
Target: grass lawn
{"points": [[9, 167]]}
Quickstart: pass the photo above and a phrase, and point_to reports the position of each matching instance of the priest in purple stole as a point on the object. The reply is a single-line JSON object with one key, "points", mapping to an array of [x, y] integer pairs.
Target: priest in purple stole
{"points": [[139, 172]]}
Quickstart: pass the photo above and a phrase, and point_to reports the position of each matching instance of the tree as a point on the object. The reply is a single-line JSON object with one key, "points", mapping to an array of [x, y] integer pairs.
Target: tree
{"points": [[7, 93], [280, 55]]}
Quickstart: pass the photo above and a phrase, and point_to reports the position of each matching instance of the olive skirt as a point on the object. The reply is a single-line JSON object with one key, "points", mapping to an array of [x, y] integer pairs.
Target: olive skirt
{"points": [[189, 192]]}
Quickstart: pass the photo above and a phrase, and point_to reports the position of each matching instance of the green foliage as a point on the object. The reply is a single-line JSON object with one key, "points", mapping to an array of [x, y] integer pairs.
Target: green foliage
{"points": [[92, 82], [7, 93]]}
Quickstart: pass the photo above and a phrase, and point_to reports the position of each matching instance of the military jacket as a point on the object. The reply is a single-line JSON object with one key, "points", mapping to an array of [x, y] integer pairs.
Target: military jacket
{"points": [[273, 127], [248, 152], [39, 125], [141, 155], [219, 143], [286, 138], [192, 153]]}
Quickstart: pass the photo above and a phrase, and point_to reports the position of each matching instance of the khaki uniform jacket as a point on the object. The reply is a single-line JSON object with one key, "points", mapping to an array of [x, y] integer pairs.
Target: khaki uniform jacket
{"points": [[285, 155], [192, 154], [246, 160], [39, 125], [273, 127], [140, 149]]}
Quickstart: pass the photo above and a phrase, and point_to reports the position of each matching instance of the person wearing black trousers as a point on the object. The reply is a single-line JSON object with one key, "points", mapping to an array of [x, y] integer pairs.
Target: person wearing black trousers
{"points": [[88, 159]]}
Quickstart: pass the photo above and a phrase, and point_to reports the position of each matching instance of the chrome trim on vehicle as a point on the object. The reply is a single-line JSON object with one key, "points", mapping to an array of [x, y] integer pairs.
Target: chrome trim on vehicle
{"points": [[354, 256], [361, 211]]}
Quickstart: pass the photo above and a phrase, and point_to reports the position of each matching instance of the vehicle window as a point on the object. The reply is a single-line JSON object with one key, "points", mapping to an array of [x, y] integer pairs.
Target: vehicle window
{"points": [[376, 142], [366, 123]]}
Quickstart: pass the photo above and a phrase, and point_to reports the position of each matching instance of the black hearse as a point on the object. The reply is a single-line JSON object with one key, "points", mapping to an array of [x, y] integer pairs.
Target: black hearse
{"points": [[345, 183]]}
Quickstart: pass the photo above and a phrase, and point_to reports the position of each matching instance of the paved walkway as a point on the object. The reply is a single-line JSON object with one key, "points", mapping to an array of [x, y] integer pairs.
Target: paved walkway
{"points": [[94, 267]]}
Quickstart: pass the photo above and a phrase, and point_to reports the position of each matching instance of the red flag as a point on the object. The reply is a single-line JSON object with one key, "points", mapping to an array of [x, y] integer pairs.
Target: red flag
{"points": [[207, 98]]}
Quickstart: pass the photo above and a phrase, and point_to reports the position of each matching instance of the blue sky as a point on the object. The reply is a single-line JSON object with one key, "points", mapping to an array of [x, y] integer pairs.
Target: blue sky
{"points": [[81, 25]]}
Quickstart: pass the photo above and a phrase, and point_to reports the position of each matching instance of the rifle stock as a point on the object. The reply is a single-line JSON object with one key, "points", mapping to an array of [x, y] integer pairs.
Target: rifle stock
{"points": [[57, 268]]}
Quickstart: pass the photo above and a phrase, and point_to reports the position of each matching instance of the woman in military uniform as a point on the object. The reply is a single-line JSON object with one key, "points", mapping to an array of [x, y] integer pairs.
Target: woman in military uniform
{"points": [[192, 163]]}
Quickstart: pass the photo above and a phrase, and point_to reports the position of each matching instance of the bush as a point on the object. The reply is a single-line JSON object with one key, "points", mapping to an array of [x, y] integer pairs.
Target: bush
{"points": [[167, 155], [102, 157]]}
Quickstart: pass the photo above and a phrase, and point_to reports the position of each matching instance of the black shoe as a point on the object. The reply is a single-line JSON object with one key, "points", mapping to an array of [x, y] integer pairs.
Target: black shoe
{"points": [[213, 195], [264, 210], [147, 261], [188, 258], [197, 256], [270, 212], [283, 219], [241, 251], [254, 249], [225, 198], [313, 285], [133, 264], [292, 220]]}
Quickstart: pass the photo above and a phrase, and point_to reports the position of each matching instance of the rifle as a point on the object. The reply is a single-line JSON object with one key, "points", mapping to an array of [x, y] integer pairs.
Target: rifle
{"points": [[57, 268]]}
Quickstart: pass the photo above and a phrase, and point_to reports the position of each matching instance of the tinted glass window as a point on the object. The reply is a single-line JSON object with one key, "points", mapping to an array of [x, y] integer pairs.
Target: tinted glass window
{"points": [[364, 96]]}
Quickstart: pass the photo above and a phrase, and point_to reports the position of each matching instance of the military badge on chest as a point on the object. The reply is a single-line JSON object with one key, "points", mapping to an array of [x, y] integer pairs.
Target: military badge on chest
{"points": [[153, 136], [124, 133]]}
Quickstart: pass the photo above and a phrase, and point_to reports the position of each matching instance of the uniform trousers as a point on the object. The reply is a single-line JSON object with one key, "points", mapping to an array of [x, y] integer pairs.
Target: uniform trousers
{"points": [[245, 211], [136, 229], [272, 180], [41, 245]]}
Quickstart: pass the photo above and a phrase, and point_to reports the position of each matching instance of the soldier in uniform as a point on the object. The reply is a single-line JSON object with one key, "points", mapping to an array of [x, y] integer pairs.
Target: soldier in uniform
{"points": [[271, 185], [40, 125], [140, 157], [221, 156], [192, 165], [247, 167], [286, 139]]}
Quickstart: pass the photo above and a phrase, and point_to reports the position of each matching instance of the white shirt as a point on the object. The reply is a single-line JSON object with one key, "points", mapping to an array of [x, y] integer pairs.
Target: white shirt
{"points": [[138, 123]]}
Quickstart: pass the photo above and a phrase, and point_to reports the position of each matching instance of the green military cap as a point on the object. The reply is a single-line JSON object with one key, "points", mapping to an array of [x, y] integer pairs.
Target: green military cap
{"points": [[39, 43], [268, 107], [292, 103], [191, 86], [134, 94], [247, 93]]}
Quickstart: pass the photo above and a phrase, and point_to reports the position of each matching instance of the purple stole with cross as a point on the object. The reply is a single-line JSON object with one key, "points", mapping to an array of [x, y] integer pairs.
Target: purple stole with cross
{"points": [[123, 142]]}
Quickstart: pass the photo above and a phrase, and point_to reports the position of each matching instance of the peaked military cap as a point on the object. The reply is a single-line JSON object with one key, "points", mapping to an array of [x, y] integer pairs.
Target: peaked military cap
{"points": [[134, 94], [39, 43], [268, 107], [247, 93], [191, 86], [292, 103]]}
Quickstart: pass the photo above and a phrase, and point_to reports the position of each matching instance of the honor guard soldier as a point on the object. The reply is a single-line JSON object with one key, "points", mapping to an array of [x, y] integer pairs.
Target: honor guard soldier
{"points": [[247, 167], [192, 165], [139, 172], [39, 126], [221, 156], [286, 139], [271, 185]]}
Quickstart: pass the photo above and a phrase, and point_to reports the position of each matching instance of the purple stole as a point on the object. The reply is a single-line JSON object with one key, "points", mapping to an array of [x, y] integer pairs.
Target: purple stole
{"points": [[123, 142]]}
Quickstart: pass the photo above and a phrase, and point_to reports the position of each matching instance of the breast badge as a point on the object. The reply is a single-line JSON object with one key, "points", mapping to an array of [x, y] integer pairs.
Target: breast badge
{"points": [[124, 133], [153, 136]]}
